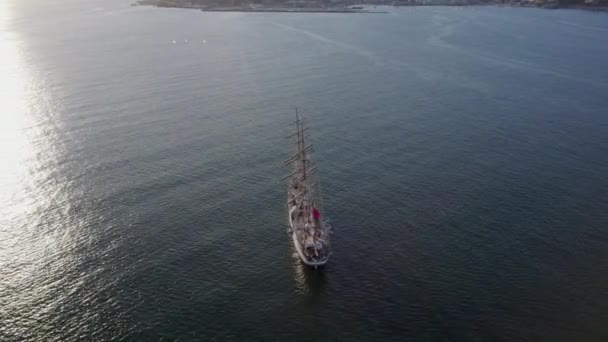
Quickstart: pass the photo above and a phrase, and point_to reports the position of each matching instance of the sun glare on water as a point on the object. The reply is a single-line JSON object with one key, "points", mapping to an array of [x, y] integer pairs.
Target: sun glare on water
{"points": [[24, 148], [15, 149]]}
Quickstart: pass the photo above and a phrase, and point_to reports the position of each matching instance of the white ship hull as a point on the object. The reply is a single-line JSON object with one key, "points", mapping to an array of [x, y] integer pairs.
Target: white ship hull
{"points": [[299, 250]]}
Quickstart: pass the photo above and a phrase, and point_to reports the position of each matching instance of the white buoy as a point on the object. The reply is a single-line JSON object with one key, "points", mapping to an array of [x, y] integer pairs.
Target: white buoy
{"points": [[174, 42], [204, 41], [186, 41]]}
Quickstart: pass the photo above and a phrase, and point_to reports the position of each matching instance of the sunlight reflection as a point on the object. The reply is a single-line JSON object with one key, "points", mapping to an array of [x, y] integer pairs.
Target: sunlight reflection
{"points": [[14, 148], [24, 149], [18, 130], [26, 188], [25, 141]]}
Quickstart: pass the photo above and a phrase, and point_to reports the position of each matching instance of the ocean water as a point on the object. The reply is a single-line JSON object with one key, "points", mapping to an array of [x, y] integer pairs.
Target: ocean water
{"points": [[463, 154]]}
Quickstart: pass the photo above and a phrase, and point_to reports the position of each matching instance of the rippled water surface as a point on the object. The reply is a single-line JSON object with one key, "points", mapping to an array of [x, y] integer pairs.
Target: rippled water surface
{"points": [[463, 154]]}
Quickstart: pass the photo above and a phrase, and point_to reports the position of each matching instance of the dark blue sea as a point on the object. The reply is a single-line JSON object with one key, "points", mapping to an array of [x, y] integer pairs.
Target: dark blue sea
{"points": [[462, 152]]}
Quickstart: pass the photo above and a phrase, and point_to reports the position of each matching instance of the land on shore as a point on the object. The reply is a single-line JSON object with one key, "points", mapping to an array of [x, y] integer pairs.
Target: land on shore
{"points": [[358, 6], [257, 6]]}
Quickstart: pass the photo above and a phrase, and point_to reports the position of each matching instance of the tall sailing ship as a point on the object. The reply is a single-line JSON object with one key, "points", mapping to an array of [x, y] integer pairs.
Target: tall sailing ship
{"points": [[307, 225]]}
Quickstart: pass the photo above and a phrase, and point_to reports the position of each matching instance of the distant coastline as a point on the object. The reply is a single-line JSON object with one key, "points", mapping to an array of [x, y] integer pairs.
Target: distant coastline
{"points": [[236, 6], [355, 6]]}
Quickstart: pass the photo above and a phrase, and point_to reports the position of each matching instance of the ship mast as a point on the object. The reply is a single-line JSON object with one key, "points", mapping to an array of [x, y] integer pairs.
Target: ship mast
{"points": [[301, 144], [299, 157]]}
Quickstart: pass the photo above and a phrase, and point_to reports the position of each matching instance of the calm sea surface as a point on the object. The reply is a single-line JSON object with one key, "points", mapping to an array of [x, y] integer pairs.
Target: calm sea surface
{"points": [[463, 154]]}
